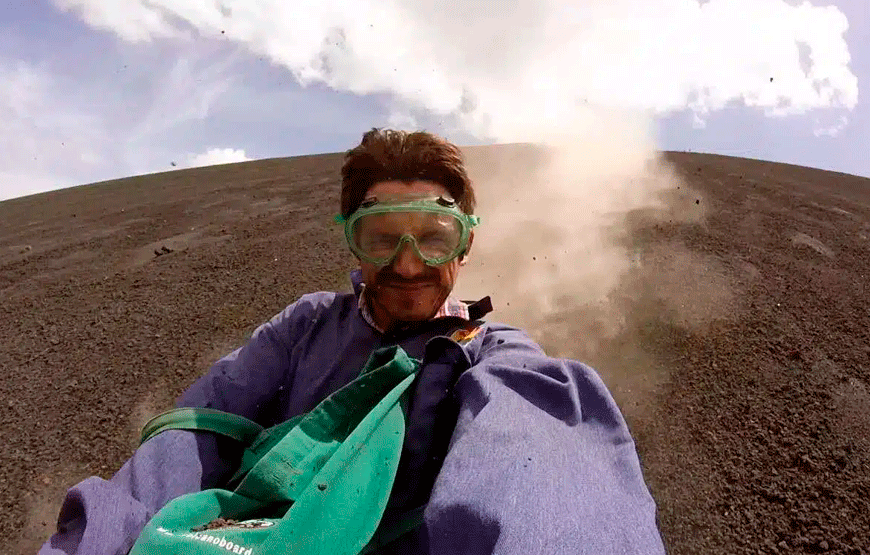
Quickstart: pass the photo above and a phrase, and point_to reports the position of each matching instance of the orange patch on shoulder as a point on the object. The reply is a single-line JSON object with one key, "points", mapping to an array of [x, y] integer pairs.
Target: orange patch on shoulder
{"points": [[465, 335]]}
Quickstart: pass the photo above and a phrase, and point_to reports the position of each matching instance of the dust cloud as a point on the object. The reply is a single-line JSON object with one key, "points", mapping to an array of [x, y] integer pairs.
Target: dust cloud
{"points": [[553, 233], [555, 250]]}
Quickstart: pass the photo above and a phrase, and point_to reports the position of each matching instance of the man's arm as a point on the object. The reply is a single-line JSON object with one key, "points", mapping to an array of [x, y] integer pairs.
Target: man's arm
{"points": [[541, 461], [100, 517]]}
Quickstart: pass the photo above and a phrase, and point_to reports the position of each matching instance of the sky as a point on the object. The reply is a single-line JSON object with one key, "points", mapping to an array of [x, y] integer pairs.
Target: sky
{"points": [[92, 90]]}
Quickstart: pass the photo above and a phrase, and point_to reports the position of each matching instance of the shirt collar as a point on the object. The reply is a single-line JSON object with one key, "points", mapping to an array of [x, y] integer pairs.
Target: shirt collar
{"points": [[452, 307]]}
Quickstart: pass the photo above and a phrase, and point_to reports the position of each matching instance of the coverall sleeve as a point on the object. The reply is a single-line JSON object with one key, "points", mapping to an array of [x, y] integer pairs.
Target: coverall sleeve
{"points": [[541, 462], [104, 517]]}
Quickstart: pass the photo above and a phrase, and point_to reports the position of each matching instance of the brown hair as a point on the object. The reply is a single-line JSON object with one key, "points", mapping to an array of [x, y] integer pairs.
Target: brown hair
{"points": [[387, 155]]}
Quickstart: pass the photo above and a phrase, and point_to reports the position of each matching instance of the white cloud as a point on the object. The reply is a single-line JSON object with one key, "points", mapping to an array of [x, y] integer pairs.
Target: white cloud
{"points": [[132, 21], [401, 119], [531, 65], [215, 156], [540, 67], [833, 130]]}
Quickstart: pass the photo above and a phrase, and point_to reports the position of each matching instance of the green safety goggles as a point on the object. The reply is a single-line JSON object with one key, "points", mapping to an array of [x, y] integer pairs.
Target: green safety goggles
{"points": [[436, 228]]}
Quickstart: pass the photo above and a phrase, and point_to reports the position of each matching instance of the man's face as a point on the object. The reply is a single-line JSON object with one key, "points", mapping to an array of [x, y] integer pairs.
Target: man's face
{"points": [[407, 290]]}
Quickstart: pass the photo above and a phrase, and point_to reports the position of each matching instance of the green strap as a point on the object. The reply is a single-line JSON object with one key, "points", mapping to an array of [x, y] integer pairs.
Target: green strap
{"points": [[195, 418]]}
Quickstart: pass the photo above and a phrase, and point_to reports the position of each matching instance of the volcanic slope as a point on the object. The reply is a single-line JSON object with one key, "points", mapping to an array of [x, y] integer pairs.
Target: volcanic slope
{"points": [[116, 296]]}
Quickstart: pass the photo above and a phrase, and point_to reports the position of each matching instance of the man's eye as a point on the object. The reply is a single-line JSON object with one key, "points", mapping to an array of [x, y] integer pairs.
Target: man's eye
{"points": [[382, 240], [434, 238]]}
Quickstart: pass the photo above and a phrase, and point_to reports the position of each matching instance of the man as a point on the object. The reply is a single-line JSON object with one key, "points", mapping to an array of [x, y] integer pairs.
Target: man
{"points": [[510, 450]]}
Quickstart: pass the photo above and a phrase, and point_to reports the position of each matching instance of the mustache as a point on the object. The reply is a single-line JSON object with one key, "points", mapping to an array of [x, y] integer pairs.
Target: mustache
{"points": [[388, 279]]}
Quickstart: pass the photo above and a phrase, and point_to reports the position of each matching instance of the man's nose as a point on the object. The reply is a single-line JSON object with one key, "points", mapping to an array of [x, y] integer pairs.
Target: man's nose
{"points": [[407, 264]]}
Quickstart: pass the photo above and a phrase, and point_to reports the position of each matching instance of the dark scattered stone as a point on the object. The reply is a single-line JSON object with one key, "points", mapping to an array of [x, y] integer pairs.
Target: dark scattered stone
{"points": [[219, 522]]}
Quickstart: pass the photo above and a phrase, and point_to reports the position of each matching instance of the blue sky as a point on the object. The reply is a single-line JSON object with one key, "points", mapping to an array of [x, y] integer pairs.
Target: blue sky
{"points": [[98, 89]]}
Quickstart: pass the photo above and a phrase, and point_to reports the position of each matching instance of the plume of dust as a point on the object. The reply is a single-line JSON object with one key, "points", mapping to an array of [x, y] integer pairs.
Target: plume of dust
{"points": [[551, 248]]}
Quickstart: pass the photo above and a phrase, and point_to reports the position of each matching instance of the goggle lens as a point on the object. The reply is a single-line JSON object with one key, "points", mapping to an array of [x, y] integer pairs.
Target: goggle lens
{"points": [[379, 235]]}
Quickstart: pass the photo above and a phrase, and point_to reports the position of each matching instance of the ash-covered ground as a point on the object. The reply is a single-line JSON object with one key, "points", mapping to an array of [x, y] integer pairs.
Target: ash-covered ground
{"points": [[742, 363]]}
